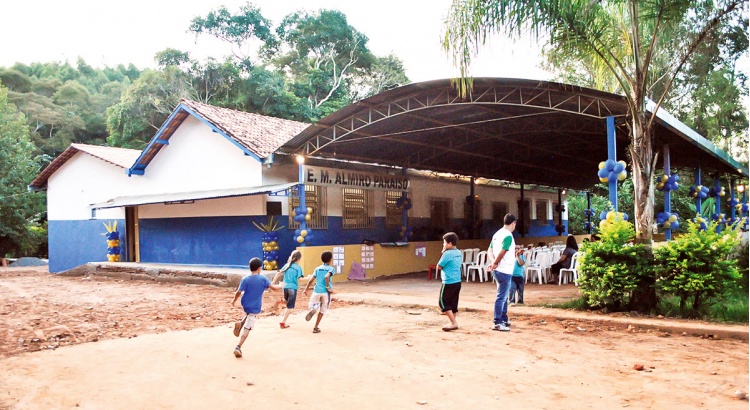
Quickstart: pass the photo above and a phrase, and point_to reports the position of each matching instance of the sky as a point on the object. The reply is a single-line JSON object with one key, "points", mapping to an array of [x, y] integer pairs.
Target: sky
{"points": [[108, 33]]}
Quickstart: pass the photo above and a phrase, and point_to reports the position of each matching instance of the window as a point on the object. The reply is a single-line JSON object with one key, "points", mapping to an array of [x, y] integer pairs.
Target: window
{"points": [[499, 210], [524, 217], [392, 212], [273, 208], [315, 198], [357, 210], [440, 213], [541, 212]]}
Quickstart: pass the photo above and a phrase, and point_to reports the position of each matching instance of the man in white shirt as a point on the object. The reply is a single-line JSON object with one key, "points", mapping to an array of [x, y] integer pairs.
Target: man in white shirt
{"points": [[504, 249]]}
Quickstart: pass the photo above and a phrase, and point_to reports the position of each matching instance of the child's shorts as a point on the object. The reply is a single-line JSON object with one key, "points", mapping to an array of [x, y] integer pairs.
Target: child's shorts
{"points": [[449, 297], [290, 296], [321, 299], [250, 322]]}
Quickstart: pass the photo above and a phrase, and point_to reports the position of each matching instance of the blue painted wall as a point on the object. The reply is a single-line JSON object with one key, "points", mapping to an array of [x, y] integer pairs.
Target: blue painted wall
{"points": [[226, 241], [74, 243]]}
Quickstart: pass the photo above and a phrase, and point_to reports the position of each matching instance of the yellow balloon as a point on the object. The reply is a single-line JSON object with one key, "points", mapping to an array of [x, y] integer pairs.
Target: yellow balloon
{"points": [[300, 239], [603, 180], [308, 217], [664, 178], [672, 218], [624, 164], [603, 224], [622, 175], [601, 165], [611, 216], [275, 248], [303, 233], [660, 185], [722, 193], [309, 210], [667, 224]]}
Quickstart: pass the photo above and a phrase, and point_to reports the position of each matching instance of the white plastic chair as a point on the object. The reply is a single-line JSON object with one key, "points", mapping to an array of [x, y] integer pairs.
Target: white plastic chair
{"points": [[537, 266], [466, 260], [480, 267], [572, 271]]}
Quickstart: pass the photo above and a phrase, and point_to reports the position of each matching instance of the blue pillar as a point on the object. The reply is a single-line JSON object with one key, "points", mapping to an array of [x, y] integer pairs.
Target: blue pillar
{"points": [[667, 192], [732, 200], [612, 154], [717, 208], [698, 200], [588, 214], [301, 191]]}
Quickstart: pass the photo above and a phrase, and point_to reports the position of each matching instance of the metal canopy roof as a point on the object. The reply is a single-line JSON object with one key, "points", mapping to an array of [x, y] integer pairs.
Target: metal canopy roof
{"points": [[183, 197], [524, 131]]}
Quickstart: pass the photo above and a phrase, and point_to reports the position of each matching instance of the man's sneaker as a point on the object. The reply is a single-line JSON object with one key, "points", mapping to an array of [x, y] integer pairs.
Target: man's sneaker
{"points": [[310, 314], [507, 324], [501, 328], [237, 352], [237, 327]]}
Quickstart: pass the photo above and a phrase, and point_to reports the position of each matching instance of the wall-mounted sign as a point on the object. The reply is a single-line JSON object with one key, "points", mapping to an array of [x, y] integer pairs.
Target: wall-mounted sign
{"points": [[355, 179]]}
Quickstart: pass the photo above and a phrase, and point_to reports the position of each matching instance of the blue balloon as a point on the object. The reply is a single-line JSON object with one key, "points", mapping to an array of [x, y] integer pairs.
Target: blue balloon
{"points": [[618, 168], [603, 215], [612, 177], [609, 164], [602, 173]]}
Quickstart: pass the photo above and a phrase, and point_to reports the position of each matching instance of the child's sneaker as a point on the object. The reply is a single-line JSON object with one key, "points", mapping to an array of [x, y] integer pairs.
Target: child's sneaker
{"points": [[501, 328], [310, 314], [237, 328], [237, 352]]}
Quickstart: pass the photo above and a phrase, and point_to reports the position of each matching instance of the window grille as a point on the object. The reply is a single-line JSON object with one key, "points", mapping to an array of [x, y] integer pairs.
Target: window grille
{"points": [[542, 218], [357, 212], [315, 198], [440, 213], [499, 210]]}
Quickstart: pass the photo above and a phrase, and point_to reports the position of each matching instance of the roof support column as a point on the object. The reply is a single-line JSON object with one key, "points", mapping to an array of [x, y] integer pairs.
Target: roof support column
{"points": [[559, 213], [717, 207], [472, 210], [588, 214], [612, 154], [698, 201], [667, 192], [732, 200], [521, 213], [301, 192]]}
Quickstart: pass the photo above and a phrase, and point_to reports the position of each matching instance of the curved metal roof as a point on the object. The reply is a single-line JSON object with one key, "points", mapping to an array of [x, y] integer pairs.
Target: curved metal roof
{"points": [[525, 131]]}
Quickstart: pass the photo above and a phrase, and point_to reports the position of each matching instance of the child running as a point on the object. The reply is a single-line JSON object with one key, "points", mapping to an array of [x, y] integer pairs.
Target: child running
{"points": [[450, 273], [322, 291], [251, 288], [292, 273]]}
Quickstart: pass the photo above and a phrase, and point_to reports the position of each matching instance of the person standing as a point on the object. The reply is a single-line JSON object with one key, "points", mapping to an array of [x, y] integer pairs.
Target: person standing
{"points": [[516, 284], [502, 266], [251, 289], [450, 273]]}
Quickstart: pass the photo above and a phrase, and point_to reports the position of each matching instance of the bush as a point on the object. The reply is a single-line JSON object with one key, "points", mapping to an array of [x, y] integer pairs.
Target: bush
{"points": [[613, 272], [696, 266]]}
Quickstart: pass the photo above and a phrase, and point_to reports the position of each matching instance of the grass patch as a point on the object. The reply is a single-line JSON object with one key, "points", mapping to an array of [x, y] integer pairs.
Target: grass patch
{"points": [[575, 304], [730, 308]]}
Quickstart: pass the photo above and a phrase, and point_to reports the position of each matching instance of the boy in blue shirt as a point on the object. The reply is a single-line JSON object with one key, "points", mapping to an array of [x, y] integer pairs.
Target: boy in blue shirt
{"points": [[322, 291], [251, 289], [450, 272], [516, 281]]}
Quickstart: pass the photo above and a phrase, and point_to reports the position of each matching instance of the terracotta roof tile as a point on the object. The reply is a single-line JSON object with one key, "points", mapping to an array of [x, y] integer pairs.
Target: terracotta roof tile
{"points": [[258, 133], [121, 157]]}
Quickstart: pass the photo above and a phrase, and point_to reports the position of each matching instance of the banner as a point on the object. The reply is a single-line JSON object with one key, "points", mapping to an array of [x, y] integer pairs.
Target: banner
{"points": [[355, 179]]}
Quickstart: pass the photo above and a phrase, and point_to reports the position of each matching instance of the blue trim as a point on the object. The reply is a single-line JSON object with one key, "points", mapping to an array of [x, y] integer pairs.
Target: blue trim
{"points": [[612, 154], [160, 141], [137, 164]]}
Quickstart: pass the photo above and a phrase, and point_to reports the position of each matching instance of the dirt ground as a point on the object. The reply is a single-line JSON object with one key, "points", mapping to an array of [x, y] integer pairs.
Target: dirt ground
{"points": [[98, 342]]}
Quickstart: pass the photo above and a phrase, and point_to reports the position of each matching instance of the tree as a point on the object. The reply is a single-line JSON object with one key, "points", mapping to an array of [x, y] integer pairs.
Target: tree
{"points": [[20, 210], [625, 36]]}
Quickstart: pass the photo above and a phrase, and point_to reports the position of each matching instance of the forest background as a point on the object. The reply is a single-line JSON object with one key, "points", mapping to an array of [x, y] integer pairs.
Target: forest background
{"points": [[305, 67]]}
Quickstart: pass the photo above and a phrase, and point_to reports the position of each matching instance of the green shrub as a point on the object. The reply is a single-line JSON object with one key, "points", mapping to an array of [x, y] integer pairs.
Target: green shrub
{"points": [[612, 272], [696, 266]]}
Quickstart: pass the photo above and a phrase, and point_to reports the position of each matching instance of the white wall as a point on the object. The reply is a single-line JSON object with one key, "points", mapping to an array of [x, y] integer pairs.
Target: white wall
{"points": [[198, 159], [80, 182]]}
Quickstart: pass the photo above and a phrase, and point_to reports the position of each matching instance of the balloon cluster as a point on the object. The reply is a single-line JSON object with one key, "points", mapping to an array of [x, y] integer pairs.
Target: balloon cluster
{"points": [[668, 182], [113, 242], [588, 212], [717, 191], [701, 221], [719, 218], [559, 228], [608, 218], [303, 214], [699, 191], [403, 203], [742, 208], [588, 226], [559, 208], [668, 220], [611, 171], [270, 245]]}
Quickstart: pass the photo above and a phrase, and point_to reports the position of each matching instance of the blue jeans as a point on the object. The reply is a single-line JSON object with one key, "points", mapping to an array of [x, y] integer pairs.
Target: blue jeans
{"points": [[501, 301], [516, 287]]}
